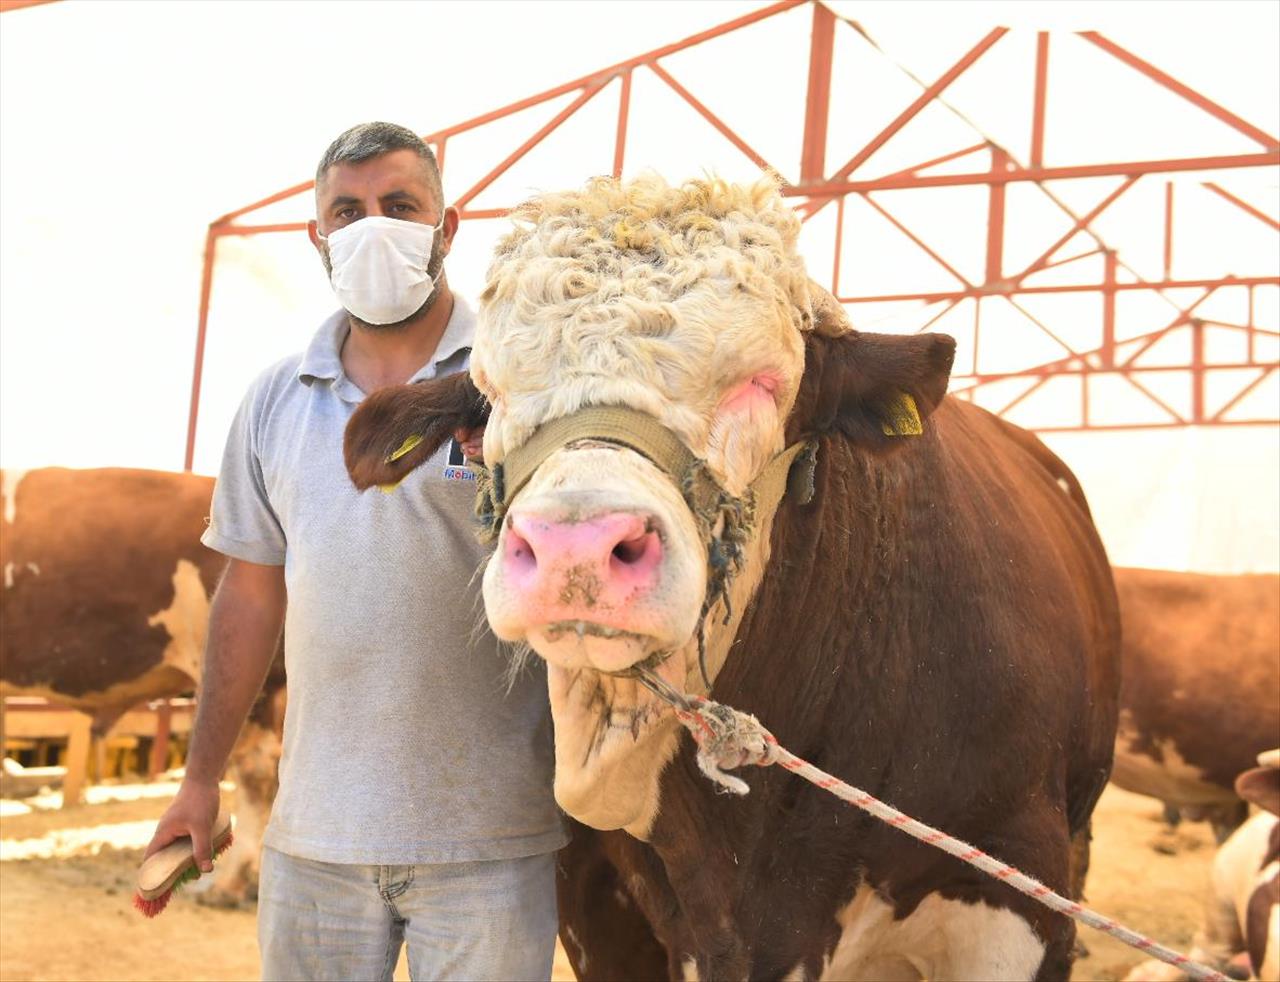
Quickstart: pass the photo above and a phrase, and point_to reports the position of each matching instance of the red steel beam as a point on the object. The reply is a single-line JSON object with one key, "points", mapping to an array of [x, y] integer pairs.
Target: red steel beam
{"points": [[269, 200], [221, 230], [925, 97], [1057, 368], [1190, 94], [472, 213], [947, 308], [817, 105], [839, 248], [1197, 371], [160, 743], [1042, 326], [1108, 350], [8, 5], [918, 241], [1042, 261], [1252, 327], [624, 111], [945, 158], [1149, 340], [604, 75], [1129, 427], [1037, 111], [1124, 169], [588, 94], [1025, 392], [995, 219], [607, 73], [820, 192], [206, 286], [441, 144], [977, 328], [1153, 397], [1244, 206], [937, 296], [712, 118], [1239, 396], [1072, 259]]}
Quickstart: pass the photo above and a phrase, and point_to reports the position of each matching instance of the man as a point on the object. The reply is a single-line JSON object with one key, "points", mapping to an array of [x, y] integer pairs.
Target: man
{"points": [[415, 794]]}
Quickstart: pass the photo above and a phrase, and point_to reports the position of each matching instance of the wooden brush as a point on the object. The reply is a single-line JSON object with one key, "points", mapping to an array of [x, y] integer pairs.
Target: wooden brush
{"points": [[175, 864]]}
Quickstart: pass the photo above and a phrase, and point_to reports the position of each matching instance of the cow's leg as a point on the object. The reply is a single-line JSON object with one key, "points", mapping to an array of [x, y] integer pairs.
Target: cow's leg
{"points": [[942, 938], [604, 932], [995, 937], [979, 941], [1080, 848], [1225, 819]]}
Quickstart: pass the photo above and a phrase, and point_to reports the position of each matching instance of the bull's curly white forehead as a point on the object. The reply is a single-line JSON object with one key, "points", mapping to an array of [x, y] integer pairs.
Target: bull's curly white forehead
{"points": [[642, 294]]}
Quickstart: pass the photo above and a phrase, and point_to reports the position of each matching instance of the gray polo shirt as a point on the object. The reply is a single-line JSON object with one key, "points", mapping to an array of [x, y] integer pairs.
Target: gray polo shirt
{"points": [[402, 743]]}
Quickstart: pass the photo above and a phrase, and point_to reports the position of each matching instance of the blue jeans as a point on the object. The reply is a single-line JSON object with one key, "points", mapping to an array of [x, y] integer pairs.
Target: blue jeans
{"points": [[492, 919]]}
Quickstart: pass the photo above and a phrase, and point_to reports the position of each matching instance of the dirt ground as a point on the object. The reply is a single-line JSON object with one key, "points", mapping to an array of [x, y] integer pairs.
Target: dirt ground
{"points": [[66, 883]]}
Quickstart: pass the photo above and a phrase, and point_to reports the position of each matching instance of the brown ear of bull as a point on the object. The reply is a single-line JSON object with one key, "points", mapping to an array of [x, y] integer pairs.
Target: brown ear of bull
{"points": [[419, 417], [1261, 785], [854, 384]]}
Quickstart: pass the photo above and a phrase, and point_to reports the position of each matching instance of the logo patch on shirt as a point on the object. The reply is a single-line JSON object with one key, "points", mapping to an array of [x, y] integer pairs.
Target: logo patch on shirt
{"points": [[457, 469]]}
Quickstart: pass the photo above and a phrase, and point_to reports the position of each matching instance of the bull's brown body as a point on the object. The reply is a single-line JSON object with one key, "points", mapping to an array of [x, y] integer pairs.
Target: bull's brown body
{"points": [[1201, 673], [938, 627], [91, 557], [105, 605]]}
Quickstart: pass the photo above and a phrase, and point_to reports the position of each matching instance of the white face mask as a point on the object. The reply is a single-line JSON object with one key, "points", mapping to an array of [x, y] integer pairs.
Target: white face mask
{"points": [[379, 267]]}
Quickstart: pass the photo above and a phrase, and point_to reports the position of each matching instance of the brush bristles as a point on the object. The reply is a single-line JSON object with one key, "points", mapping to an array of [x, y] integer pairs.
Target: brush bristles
{"points": [[152, 907]]}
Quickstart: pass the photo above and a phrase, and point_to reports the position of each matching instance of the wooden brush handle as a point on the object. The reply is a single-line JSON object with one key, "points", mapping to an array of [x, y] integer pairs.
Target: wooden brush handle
{"points": [[159, 870]]}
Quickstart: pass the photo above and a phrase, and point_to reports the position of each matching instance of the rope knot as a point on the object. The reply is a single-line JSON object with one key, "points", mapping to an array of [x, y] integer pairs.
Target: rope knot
{"points": [[727, 739]]}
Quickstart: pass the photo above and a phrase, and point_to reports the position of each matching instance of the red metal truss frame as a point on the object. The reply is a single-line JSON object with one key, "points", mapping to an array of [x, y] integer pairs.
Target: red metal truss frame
{"points": [[814, 190]]}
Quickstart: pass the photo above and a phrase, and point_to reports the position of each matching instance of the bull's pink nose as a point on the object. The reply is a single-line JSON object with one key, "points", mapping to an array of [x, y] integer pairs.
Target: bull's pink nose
{"points": [[574, 566]]}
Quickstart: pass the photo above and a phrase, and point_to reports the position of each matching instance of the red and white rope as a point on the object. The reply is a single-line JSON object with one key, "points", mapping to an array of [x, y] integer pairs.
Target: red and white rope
{"points": [[728, 738]]}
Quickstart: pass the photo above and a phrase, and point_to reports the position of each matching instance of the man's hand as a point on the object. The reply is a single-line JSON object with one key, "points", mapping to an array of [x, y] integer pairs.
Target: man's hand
{"points": [[193, 812], [472, 443]]}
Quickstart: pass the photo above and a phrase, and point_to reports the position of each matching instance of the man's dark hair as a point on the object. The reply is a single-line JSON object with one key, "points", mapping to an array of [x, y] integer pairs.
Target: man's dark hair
{"points": [[370, 140]]}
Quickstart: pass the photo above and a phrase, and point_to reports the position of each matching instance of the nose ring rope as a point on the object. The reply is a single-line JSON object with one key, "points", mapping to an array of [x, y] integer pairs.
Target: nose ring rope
{"points": [[727, 738]]}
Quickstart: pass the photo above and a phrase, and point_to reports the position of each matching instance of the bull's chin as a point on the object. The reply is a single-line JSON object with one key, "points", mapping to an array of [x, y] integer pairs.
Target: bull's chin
{"points": [[613, 736], [596, 647]]}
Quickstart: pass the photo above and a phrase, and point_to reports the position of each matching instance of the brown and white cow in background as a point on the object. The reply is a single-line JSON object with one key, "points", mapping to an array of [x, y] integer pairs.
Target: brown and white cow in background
{"points": [[105, 604], [1200, 690], [936, 625], [1241, 931]]}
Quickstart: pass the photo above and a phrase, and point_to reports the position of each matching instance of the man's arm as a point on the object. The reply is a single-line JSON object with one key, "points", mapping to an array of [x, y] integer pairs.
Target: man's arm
{"points": [[244, 629]]}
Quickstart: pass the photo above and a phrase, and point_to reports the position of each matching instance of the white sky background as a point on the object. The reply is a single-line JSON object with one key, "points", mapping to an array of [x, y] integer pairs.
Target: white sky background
{"points": [[126, 127]]}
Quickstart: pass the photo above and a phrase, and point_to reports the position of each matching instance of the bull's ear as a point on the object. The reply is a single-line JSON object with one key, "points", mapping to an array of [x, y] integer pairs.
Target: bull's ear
{"points": [[875, 389], [397, 428], [1261, 785]]}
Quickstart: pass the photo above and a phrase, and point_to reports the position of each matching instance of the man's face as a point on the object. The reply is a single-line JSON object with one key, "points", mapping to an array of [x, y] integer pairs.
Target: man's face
{"points": [[393, 185]]}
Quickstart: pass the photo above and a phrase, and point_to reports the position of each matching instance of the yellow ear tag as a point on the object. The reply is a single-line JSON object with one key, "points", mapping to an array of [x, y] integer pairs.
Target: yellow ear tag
{"points": [[388, 488], [411, 441], [904, 417]]}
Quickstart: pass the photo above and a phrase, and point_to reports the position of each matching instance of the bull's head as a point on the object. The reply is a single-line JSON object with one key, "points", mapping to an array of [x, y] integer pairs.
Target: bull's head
{"points": [[639, 537]]}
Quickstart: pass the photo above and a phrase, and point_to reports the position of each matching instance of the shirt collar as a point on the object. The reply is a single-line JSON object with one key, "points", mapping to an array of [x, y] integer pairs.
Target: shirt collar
{"points": [[458, 336], [323, 357]]}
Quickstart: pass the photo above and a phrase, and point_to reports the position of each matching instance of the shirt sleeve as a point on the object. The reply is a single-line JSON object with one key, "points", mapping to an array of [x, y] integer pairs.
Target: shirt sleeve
{"points": [[243, 524]]}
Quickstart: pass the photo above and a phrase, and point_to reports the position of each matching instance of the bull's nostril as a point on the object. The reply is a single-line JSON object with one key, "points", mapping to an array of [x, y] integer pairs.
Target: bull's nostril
{"points": [[520, 554], [631, 550]]}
